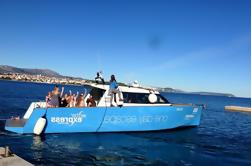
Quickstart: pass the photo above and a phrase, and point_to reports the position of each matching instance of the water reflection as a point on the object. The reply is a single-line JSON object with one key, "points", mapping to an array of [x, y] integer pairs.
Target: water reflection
{"points": [[38, 141], [38, 145], [111, 149]]}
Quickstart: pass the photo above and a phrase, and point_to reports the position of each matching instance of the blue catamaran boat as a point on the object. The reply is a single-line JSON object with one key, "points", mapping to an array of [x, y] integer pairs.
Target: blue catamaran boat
{"points": [[140, 110]]}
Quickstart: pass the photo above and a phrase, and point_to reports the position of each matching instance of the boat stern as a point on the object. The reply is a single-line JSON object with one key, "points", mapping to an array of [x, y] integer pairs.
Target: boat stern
{"points": [[194, 117], [27, 122], [15, 125]]}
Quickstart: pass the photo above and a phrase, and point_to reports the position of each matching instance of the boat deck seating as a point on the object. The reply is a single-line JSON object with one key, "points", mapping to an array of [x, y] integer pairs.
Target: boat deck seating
{"points": [[15, 122]]}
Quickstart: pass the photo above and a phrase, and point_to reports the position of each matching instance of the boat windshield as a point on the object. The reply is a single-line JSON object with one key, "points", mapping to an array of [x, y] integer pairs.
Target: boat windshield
{"points": [[142, 98], [97, 94]]}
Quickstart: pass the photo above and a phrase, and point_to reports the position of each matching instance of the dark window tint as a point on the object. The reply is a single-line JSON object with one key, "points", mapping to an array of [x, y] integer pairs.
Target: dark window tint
{"points": [[97, 93], [141, 98]]}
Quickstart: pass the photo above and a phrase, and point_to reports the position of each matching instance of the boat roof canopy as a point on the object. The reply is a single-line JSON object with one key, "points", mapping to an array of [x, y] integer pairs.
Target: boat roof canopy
{"points": [[125, 88]]}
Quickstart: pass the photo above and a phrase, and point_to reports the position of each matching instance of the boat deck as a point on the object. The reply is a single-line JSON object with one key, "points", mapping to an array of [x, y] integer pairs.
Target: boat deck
{"points": [[15, 122]]}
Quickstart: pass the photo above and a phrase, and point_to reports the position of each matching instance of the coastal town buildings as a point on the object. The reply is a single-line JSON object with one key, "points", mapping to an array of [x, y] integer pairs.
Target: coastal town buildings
{"points": [[42, 79]]}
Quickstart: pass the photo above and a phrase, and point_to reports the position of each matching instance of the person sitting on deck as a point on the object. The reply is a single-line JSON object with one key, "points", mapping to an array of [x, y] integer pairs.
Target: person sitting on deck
{"points": [[99, 77], [80, 101], [91, 102], [114, 89]]}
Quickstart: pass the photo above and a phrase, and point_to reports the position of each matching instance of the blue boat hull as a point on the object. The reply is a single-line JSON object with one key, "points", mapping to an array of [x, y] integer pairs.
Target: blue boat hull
{"points": [[110, 119]]}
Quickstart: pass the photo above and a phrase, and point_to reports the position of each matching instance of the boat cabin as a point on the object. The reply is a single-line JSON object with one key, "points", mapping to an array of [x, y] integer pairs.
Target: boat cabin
{"points": [[132, 96]]}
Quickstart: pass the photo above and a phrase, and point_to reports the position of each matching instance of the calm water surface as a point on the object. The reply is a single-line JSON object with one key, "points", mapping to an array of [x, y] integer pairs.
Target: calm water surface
{"points": [[223, 138]]}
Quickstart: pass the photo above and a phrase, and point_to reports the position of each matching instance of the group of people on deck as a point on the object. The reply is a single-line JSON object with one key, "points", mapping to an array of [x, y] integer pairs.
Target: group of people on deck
{"points": [[56, 98]]}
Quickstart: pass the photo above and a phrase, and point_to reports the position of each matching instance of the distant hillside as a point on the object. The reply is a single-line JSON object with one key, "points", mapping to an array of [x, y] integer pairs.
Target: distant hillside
{"points": [[214, 94], [171, 90], [44, 72]]}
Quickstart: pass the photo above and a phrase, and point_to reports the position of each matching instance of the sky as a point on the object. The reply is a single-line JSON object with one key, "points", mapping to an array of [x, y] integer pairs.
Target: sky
{"points": [[193, 45]]}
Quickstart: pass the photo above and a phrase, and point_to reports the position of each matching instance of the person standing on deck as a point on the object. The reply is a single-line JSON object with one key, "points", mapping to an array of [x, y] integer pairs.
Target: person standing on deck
{"points": [[55, 95], [114, 89]]}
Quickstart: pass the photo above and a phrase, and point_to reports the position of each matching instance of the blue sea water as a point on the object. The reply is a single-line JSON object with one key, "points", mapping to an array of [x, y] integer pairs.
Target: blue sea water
{"points": [[222, 138]]}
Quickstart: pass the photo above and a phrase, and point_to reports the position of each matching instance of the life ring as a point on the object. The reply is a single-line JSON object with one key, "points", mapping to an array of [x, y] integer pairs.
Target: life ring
{"points": [[39, 126]]}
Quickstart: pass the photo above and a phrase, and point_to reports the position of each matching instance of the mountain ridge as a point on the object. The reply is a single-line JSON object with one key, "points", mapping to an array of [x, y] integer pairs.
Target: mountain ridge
{"points": [[44, 72], [171, 90]]}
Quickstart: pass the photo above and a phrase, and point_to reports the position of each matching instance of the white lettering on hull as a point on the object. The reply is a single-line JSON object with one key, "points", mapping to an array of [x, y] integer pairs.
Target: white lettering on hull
{"points": [[179, 109], [74, 118], [195, 110], [187, 117], [115, 119]]}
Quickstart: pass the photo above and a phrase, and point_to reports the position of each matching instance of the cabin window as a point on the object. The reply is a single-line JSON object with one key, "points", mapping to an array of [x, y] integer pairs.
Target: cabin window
{"points": [[161, 99], [97, 93], [141, 98]]}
